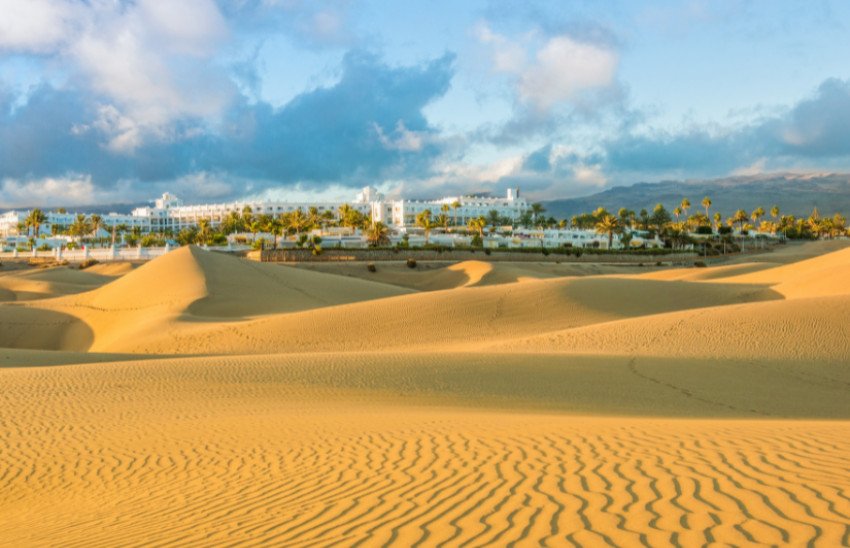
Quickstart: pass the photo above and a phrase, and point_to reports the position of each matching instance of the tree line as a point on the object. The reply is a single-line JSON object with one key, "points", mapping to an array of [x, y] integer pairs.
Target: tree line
{"points": [[675, 227]]}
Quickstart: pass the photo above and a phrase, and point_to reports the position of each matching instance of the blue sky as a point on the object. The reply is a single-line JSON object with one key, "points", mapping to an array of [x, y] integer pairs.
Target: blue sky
{"points": [[105, 101]]}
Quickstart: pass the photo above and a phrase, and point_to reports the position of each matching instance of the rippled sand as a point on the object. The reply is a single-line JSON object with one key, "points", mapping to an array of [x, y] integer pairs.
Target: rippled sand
{"points": [[244, 403]]}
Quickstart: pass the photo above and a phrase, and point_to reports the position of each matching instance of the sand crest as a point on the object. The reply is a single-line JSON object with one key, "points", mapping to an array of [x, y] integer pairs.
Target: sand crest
{"points": [[202, 399]]}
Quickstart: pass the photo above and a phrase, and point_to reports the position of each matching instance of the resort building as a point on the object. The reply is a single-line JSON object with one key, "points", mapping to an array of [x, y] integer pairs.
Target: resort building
{"points": [[463, 208], [56, 221], [170, 213]]}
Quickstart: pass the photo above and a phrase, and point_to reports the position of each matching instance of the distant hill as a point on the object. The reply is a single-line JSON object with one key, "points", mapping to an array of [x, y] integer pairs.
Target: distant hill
{"points": [[794, 194]]}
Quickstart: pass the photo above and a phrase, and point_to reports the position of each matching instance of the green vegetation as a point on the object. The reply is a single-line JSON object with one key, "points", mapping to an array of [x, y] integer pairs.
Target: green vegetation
{"points": [[685, 226]]}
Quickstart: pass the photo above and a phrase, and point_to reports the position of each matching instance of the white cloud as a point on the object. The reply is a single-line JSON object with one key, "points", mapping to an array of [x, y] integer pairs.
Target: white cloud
{"points": [[72, 189], [551, 71], [150, 62], [401, 139], [38, 26], [202, 185], [590, 175], [460, 174], [507, 56], [564, 68]]}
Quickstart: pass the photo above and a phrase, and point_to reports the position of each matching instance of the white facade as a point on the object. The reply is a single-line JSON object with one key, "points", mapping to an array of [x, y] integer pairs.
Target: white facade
{"points": [[404, 212], [10, 221], [170, 213]]}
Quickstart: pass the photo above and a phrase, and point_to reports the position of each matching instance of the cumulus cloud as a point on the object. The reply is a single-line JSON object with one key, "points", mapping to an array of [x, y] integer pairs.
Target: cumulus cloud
{"points": [[564, 68], [39, 26], [149, 63], [323, 137], [815, 131], [328, 134], [553, 70], [816, 127], [72, 189]]}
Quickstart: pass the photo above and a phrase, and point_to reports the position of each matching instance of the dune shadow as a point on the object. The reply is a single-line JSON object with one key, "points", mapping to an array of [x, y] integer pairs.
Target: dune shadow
{"points": [[24, 327]]}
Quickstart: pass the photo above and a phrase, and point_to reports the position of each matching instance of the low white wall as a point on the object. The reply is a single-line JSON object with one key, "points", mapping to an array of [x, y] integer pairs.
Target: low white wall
{"points": [[101, 254]]}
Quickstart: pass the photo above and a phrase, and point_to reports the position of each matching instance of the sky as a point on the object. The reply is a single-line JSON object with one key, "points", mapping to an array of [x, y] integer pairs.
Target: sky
{"points": [[118, 101]]}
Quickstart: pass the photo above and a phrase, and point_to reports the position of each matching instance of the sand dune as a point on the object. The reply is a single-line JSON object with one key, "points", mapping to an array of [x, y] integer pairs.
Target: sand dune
{"points": [[114, 269], [204, 283], [456, 318], [229, 451], [694, 274], [33, 328], [201, 399], [800, 329], [439, 275], [38, 283]]}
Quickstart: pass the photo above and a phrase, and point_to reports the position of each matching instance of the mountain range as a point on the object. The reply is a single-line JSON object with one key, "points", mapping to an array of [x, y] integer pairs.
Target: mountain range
{"points": [[795, 194]]}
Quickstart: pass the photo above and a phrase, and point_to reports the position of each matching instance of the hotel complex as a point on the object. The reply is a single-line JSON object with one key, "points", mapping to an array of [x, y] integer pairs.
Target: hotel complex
{"points": [[169, 213]]}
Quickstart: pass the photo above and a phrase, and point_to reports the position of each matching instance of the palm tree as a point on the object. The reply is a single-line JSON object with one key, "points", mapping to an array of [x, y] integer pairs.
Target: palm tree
{"points": [[814, 222], [80, 227], [118, 230], [378, 234], [314, 217], [478, 224], [232, 222], [455, 206], [685, 205], [493, 218], [757, 214], [774, 212], [277, 228], [741, 218], [644, 219], [204, 230], [443, 221], [626, 216], [254, 227], [344, 211], [266, 222], [297, 221], [247, 216], [608, 225], [424, 220], [34, 220], [706, 203], [96, 222], [718, 218], [839, 224], [677, 211], [537, 209], [445, 208]]}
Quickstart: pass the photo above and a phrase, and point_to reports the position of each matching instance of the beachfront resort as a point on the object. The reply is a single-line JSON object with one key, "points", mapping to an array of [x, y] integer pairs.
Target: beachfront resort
{"points": [[372, 220], [452, 221]]}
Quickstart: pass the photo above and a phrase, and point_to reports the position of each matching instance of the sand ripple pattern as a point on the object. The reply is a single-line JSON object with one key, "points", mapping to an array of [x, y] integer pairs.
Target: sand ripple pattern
{"points": [[90, 458]]}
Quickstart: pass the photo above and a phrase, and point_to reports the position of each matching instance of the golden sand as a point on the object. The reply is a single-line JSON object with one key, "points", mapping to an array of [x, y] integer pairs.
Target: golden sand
{"points": [[200, 399]]}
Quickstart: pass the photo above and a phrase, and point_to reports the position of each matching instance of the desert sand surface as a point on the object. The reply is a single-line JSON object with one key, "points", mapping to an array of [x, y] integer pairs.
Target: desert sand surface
{"points": [[200, 399], [438, 275], [22, 284]]}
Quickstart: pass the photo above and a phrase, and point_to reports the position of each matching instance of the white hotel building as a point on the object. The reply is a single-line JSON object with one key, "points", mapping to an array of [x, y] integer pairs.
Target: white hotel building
{"points": [[169, 212]]}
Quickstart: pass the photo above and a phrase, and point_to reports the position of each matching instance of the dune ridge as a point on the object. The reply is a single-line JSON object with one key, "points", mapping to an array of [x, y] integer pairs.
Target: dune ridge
{"points": [[201, 399]]}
